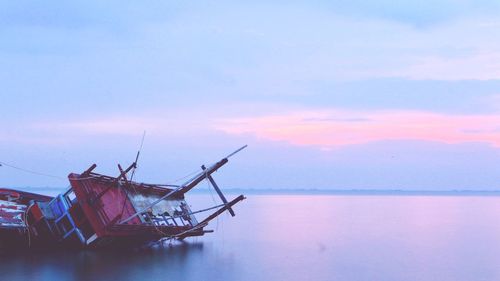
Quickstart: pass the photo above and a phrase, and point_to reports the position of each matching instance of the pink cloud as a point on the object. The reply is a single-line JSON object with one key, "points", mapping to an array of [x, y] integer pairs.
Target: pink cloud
{"points": [[330, 128]]}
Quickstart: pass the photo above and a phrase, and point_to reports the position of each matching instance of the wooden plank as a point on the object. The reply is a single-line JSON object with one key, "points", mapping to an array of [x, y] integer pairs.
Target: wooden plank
{"points": [[219, 192], [223, 209]]}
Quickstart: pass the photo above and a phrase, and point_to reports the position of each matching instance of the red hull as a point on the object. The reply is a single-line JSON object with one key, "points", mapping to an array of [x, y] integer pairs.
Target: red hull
{"points": [[100, 211]]}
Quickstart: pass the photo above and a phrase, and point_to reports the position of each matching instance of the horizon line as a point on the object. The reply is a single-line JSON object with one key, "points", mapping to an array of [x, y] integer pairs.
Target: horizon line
{"points": [[314, 191]]}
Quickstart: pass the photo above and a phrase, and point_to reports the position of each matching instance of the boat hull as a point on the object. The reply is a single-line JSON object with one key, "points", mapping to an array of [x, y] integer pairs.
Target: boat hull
{"points": [[14, 233]]}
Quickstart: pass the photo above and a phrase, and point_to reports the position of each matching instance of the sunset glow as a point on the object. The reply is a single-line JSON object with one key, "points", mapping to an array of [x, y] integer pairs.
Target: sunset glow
{"points": [[384, 92], [336, 128]]}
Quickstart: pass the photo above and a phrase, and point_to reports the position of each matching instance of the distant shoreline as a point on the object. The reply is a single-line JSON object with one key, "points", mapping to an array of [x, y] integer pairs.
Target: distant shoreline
{"points": [[345, 192], [360, 192]]}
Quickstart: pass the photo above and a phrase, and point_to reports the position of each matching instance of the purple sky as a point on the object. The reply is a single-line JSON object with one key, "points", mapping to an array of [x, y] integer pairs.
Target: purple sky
{"points": [[327, 94]]}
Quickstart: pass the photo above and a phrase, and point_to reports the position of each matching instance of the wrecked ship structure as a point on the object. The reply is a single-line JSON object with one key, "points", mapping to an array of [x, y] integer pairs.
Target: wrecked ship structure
{"points": [[99, 211]]}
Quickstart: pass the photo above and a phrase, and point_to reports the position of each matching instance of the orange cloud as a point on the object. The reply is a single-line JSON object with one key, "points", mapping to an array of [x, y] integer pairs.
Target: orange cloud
{"points": [[330, 128]]}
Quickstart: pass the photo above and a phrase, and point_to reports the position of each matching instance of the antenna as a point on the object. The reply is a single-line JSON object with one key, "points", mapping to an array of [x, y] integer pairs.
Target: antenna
{"points": [[137, 156]]}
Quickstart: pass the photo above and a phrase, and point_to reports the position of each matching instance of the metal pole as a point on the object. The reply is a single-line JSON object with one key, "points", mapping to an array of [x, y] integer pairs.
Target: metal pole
{"points": [[240, 149], [188, 185]]}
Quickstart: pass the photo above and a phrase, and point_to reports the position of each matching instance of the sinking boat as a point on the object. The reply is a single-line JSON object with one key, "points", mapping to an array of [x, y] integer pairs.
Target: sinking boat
{"points": [[14, 206], [100, 211]]}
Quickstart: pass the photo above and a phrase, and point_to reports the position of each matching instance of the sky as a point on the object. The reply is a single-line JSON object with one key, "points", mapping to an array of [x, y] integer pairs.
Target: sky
{"points": [[327, 94]]}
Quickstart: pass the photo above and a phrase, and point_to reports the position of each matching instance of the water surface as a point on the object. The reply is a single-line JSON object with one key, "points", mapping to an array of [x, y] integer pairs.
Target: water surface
{"points": [[301, 237]]}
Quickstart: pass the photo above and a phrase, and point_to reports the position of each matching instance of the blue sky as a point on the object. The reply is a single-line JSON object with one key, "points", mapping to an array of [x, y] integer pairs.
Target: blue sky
{"points": [[328, 94]]}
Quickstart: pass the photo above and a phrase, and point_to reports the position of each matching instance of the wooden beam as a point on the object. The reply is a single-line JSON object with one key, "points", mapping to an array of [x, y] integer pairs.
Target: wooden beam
{"points": [[89, 170], [219, 192], [123, 174], [223, 209]]}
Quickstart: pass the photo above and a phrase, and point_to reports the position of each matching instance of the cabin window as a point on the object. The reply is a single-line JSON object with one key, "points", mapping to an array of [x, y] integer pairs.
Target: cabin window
{"points": [[71, 196], [64, 225]]}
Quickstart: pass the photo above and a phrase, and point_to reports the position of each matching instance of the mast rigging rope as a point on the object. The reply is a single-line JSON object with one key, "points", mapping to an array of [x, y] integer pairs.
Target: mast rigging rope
{"points": [[30, 171]]}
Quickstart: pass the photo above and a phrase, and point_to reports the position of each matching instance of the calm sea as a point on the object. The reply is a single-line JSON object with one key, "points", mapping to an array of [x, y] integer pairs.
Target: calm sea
{"points": [[306, 237]]}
